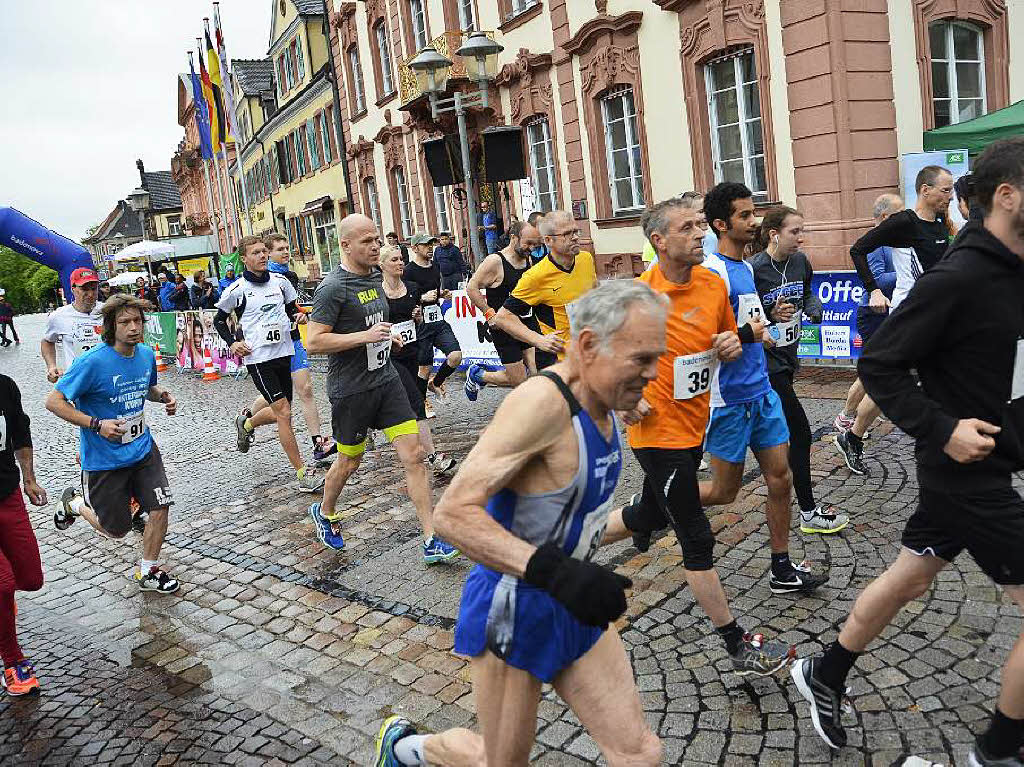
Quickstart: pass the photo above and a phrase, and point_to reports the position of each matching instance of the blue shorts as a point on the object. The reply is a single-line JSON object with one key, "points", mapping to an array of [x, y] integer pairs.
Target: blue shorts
{"points": [[524, 626], [300, 360], [758, 425]]}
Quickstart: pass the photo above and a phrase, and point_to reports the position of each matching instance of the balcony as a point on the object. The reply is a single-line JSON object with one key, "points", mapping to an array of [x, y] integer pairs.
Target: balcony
{"points": [[446, 44]]}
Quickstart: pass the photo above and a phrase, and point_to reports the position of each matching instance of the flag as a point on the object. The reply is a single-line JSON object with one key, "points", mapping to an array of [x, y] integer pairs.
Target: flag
{"points": [[202, 113], [229, 94], [213, 65], [211, 103]]}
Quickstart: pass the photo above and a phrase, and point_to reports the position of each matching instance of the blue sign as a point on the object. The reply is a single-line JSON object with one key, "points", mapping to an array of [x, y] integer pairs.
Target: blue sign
{"points": [[836, 336]]}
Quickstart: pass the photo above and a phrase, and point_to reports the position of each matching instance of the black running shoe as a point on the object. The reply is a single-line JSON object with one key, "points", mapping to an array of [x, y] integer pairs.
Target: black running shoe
{"points": [[854, 457], [978, 758], [826, 703], [799, 581], [64, 517]]}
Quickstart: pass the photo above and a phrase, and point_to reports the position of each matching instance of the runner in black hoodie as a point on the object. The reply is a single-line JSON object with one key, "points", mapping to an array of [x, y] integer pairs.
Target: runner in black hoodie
{"points": [[962, 328]]}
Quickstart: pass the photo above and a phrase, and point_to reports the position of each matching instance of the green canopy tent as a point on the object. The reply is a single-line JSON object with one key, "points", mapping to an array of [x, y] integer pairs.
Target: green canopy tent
{"points": [[978, 133]]}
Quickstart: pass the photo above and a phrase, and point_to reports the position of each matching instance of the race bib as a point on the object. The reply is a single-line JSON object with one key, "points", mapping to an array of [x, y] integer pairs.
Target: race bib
{"points": [[789, 333], [81, 339], [134, 427], [404, 331], [691, 374], [377, 354], [749, 309], [591, 532], [270, 331], [462, 285], [432, 313], [1017, 388]]}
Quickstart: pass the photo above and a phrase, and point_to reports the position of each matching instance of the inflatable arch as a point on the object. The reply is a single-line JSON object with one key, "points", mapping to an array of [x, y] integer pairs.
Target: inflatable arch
{"points": [[30, 238]]}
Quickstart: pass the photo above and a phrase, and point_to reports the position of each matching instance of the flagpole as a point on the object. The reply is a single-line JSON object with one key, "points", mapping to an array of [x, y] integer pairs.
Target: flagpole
{"points": [[231, 119], [236, 226], [220, 190], [206, 163]]}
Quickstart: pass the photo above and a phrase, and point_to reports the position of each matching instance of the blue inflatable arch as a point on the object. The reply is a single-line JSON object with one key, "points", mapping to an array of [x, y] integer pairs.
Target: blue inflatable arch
{"points": [[30, 238]]}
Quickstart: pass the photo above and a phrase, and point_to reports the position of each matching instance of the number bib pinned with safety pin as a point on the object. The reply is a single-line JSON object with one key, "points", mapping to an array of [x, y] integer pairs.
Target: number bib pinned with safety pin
{"points": [[134, 427], [692, 374]]}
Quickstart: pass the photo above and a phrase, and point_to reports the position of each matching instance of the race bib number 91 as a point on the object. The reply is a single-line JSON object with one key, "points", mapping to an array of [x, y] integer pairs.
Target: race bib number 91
{"points": [[692, 374], [134, 427]]}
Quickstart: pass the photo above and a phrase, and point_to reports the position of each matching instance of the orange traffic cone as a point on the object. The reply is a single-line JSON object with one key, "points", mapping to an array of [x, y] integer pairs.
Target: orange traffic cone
{"points": [[210, 373], [161, 363]]}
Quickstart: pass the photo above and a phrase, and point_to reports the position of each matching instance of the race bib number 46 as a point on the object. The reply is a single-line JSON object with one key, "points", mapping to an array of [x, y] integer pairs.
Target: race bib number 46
{"points": [[270, 332], [692, 374], [134, 427]]}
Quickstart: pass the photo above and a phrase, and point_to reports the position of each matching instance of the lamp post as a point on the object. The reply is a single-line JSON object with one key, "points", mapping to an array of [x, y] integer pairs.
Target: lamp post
{"points": [[139, 202], [432, 70]]}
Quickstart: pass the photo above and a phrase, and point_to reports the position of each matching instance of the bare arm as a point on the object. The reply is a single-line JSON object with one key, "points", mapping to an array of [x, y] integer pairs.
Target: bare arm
{"points": [[526, 424], [483, 278], [321, 339], [35, 493], [511, 324], [48, 350], [57, 404]]}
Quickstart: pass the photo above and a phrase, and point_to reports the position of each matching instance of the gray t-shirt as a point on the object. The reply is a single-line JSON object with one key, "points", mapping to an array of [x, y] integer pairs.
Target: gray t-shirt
{"points": [[351, 303]]}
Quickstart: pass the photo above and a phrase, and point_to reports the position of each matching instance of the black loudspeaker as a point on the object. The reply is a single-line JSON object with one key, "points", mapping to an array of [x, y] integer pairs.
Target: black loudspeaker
{"points": [[443, 163], [503, 154]]}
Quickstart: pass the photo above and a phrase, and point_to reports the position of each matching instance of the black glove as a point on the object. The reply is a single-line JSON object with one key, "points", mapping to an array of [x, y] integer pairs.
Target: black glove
{"points": [[593, 594]]}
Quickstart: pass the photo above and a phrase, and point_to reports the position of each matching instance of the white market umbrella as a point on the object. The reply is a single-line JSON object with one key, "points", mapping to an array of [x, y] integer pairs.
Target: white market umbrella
{"points": [[125, 278], [145, 249]]}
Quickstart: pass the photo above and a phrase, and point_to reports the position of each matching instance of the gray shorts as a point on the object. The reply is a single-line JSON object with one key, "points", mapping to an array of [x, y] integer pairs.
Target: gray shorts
{"points": [[109, 493]]}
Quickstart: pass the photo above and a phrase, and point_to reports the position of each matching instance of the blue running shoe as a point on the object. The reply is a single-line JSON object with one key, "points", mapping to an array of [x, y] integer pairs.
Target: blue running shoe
{"points": [[435, 550], [393, 730], [474, 381], [324, 532]]}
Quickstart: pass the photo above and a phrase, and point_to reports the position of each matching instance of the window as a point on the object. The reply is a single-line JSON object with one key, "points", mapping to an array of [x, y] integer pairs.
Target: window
{"points": [[622, 150], [387, 76], [521, 6], [419, 23], [293, 55], [402, 196], [300, 149], [282, 77], [307, 232], [372, 202], [268, 181], [326, 239], [737, 141], [293, 166], [332, 131], [466, 18], [275, 168], [356, 71], [542, 164], [441, 209], [173, 226], [289, 226], [314, 152], [298, 54], [958, 72], [324, 131]]}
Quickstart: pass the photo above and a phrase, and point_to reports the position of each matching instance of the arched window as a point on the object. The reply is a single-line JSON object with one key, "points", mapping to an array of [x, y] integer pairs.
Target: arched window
{"points": [[957, 53]]}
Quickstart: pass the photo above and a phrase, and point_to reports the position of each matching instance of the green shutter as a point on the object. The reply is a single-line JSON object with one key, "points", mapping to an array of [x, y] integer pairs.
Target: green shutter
{"points": [[298, 50], [314, 155]]}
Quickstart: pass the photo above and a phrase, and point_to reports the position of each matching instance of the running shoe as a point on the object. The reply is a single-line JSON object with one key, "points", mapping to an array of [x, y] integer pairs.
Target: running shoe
{"points": [[642, 539], [704, 466], [440, 463], [760, 658], [826, 703], [800, 581], [428, 409], [854, 458], [323, 450], [311, 481], [393, 730], [139, 520], [435, 550], [978, 758], [474, 381], [844, 422], [324, 530], [243, 437], [64, 517], [823, 520], [157, 580], [20, 679]]}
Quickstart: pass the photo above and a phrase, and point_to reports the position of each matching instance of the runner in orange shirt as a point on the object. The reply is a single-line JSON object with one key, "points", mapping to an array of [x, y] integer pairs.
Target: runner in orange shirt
{"points": [[667, 430]]}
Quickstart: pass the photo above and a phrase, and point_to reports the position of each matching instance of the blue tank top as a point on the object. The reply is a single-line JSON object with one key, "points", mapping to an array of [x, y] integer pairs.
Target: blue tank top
{"points": [[745, 379], [575, 516]]}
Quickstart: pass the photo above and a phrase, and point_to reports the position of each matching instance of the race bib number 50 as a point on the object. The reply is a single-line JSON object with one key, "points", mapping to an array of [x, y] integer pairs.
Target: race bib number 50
{"points": [[788, 333], [692, 374]]}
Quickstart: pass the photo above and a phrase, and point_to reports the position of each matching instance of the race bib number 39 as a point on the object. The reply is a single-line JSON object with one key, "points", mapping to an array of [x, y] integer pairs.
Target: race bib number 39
{"points": [[404, 331], [134, 427], [432, 313], [749, 309], [377, 354], [692, 374]]}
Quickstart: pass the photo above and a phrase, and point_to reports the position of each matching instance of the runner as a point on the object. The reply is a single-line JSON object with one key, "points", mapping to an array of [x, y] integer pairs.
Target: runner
{"points": [[498, 274], [746, 412], [918, 239], [405, 313], [547, 288], [20, 568], [783, 278], [264, 303], [7, 321], [350, 323], [104, 394], [530, 505], [74, 326], [278, 258], [667, 439], [967, 417], [423, 272]]}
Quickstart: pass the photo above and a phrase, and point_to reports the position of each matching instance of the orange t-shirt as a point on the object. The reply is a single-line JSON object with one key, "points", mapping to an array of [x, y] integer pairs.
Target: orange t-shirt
{"points": [[697, 310]]}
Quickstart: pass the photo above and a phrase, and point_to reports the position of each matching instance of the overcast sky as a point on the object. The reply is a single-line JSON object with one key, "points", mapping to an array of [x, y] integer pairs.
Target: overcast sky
{"points": [[89, 86]]}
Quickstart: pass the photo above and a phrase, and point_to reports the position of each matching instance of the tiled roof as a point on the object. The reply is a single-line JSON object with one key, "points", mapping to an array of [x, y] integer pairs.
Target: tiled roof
{"points": [[307, 7], [255, 76], [163, 193]]}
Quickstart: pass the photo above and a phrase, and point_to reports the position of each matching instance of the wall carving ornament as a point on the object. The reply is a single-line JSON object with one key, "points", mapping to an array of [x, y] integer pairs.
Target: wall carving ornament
{"points": [[362, 152], [608, 67], [530, 90], [390, 138]]}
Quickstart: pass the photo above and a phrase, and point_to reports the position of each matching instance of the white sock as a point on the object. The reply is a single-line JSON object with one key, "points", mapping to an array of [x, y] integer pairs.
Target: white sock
{"points": [[409, 750], [145, 566], [76, 504], [808, 514]]}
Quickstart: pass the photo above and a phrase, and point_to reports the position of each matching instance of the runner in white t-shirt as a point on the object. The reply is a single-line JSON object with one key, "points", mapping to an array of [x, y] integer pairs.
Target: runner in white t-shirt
{"points": [[264, 304], [73, 329]]}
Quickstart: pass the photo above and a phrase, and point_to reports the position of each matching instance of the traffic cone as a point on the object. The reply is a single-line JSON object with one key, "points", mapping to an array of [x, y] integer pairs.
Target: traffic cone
{"points": [[210, 373], [161, 363]]}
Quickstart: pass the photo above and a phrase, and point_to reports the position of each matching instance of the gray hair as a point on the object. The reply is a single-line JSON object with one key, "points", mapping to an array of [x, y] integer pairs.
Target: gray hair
{"points": [[885, 203], [605, 308], [655, 218], [550, 222]]}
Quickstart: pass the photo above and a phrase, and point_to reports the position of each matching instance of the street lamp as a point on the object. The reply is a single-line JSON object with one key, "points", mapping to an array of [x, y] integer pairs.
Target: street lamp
{"points": [[139, 202], [432, 70]]}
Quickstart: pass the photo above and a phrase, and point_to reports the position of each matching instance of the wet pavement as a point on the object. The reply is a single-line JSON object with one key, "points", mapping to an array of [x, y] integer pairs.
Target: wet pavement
{"points": [[276, 650]]}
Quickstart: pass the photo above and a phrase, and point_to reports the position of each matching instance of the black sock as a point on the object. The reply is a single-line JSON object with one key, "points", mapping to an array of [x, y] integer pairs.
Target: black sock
{"points": [[316, 439], [781, 565], [422, 384], [835, 665], [442, 373], [857, 443], [732, 635], [1003, 737]]}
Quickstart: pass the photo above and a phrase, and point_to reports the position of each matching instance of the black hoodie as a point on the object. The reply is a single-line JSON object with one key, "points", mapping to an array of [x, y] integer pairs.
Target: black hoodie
{"points": [[962, 328]]}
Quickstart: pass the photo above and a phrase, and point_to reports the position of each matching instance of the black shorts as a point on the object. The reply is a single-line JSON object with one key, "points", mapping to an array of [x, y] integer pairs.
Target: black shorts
{"points": [[437, 335], [109, 492], [407, 372], [868, 322], [273, 378], [509, 349], [385, 407], [989, 524]]}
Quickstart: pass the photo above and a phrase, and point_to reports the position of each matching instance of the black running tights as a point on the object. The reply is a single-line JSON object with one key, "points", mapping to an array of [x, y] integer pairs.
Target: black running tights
{"points": [[799, 438]]}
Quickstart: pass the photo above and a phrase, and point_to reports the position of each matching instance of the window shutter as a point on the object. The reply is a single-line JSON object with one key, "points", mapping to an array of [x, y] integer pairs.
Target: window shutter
{"points": [[298, 51]]}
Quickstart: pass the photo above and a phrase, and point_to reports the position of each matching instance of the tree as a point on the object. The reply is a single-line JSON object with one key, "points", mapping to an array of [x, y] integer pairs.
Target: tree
{"points": [[29, 285]]}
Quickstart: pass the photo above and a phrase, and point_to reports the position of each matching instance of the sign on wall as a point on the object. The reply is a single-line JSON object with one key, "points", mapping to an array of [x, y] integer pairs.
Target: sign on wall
{"points": [[836, 336], [955, 161]]}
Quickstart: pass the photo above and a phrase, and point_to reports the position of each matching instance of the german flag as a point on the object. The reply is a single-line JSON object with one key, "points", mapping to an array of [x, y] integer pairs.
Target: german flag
{"points": [[213, 105]]}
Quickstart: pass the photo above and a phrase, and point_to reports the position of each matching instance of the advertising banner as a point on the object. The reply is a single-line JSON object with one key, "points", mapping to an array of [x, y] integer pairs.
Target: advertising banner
{"points": [[195, 333], [953, 161], [188, 266], [159, 333], [836, 336], [470, 328]]}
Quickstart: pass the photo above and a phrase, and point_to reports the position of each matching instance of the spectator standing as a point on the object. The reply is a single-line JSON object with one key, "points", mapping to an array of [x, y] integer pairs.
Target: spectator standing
{"points": [[145, 292], [179, 298], [394, 243], [203, 294], [7, 320], [453, 264], [489, 227], [227, 279]]}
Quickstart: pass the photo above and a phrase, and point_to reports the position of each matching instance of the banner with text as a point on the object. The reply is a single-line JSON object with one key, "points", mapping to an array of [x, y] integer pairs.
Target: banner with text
{"points": [[836, 336], [470, 329]]}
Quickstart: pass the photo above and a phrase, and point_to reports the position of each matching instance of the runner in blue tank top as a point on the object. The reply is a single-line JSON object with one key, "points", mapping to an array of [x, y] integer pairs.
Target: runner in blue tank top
{"points": [[530, 505], [745, 410]]}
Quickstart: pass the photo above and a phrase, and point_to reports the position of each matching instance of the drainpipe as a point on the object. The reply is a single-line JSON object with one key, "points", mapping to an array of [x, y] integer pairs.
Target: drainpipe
{"points": [[337, 110]]}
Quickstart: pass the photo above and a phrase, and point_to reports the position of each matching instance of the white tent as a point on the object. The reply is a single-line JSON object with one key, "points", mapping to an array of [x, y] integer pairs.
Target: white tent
{"points": [[126, 278], [145, 249]]}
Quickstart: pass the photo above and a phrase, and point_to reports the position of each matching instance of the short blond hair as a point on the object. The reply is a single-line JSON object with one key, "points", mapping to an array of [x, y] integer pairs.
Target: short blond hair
{"points": [[387, 251]]}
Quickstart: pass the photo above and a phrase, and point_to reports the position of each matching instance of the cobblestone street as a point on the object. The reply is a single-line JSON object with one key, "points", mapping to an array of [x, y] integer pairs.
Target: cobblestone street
{"points": [[277, 650]]}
